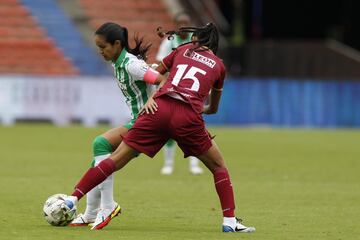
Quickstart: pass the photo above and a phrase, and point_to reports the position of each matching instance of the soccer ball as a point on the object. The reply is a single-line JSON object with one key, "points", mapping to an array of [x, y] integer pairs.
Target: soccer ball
{"points": [[56, 212]]}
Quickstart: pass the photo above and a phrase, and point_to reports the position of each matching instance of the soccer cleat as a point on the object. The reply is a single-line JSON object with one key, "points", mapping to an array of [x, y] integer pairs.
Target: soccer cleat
{"points": [[104, 216], [81, 221], [196, 170], [167, 170], [239, 227]]}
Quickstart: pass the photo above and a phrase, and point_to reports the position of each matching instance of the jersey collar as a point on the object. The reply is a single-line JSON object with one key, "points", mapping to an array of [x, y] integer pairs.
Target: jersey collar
{"points": [[120, 58]]}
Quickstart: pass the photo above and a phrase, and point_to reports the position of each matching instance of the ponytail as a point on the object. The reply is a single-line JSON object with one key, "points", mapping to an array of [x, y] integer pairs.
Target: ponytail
{"points": [[112, 32], [206, 36]]}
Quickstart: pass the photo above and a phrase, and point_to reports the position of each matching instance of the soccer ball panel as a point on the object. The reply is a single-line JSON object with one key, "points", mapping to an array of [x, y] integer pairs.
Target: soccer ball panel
{"points": [[55, 212]]}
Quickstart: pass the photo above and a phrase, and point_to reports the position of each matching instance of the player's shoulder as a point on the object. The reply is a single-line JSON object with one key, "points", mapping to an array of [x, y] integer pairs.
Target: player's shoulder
{"points": [[131, 57], [183, 49], [136, 64], [185, 46], [134, 60], [221, 67], [220, 62]]}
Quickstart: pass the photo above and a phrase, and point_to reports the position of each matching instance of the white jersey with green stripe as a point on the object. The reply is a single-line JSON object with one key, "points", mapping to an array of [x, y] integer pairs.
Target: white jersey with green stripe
{"points": [[129, 72]]}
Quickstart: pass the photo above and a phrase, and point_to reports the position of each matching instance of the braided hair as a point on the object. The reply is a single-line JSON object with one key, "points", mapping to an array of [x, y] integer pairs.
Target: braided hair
{"points": [[205, 36], [112, 32]]}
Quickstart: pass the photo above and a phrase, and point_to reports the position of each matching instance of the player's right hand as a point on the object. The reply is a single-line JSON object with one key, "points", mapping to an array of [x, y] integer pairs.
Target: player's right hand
{"points": [[149, 107]]}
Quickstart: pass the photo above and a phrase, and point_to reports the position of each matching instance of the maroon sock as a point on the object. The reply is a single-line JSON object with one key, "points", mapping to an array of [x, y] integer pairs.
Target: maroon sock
{"points": [[225, 191], [93, 177]]}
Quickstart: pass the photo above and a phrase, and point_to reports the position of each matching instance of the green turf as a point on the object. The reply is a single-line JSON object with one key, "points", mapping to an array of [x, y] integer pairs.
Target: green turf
{"points": [[289, 184]]}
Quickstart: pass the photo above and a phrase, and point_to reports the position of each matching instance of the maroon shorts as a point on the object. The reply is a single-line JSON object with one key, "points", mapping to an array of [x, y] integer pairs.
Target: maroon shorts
{"points": [[174, 119]]}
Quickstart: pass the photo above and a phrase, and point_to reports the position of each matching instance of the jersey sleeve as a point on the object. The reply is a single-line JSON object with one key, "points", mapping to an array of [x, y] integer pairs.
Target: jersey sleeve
{"points": [[137, 69], [169, 59], [218, 85]]}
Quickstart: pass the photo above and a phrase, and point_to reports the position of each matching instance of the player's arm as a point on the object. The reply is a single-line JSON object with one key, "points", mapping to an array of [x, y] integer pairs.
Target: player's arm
{"points": [[159, 80], [150, 106], [166, 63], [140, 71], [161, 68], [214, 100], [215, 94], [152, 76]]}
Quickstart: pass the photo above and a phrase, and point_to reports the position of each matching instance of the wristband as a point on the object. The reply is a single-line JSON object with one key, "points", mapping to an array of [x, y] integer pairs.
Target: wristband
{"points": [[151, 76]]}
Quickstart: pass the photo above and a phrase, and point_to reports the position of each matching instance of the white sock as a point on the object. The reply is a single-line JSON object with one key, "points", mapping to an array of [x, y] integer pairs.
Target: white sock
{"points": [[229, 221], [92, 203], [169, 154], [106, 187], [193, 162], [107, 193]]}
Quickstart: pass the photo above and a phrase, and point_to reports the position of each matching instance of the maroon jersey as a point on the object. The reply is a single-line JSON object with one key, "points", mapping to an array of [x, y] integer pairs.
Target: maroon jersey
{"points": [[192, 75]]}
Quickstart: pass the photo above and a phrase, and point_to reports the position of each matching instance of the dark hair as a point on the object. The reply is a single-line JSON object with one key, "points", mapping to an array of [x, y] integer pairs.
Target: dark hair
{"points": [[207, 35], [112, 32]]}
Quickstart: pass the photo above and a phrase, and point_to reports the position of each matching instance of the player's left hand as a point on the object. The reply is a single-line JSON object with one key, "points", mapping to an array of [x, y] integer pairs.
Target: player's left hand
{"points": [[149, 107]]}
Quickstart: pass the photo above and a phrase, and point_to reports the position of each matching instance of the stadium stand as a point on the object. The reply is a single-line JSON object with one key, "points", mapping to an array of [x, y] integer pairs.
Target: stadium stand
{"points": [[24, 46], [67, 37], [322, 59], [140, 17]]}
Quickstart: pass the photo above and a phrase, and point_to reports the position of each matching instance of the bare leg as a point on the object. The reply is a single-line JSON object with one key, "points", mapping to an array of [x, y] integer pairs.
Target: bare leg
{"points": [[122, 155], [213, 158], [114, 135]]}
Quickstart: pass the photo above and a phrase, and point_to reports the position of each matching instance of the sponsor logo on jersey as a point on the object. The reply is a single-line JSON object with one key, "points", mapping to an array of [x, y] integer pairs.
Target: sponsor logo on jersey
{"points": [[144, 67], [199, 58]]}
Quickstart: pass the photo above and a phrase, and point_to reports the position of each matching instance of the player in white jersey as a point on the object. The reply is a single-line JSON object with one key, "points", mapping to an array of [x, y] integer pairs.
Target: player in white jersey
{"points": [[182, 19], [129, 70]]}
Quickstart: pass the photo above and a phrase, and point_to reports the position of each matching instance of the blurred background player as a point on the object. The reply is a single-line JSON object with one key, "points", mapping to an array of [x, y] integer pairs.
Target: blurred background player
{"points": [[181, 19], [129, 68]]}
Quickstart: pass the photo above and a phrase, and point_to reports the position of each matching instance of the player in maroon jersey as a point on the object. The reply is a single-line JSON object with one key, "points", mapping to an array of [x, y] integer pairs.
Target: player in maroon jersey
{"points": [[175, 112]]}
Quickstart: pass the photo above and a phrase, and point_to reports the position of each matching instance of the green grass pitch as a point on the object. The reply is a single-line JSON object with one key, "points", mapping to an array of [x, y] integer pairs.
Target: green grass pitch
{"points": [[289, 184]]}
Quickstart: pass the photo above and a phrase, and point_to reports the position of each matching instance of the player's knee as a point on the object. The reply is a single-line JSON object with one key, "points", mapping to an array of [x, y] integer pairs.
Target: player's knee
{"points": [[216, 167], [101, 146], [218, 170]]}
